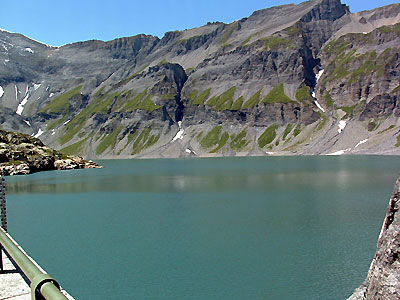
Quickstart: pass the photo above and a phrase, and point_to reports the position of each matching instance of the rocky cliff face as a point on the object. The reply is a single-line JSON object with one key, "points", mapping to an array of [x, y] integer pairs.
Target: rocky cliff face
{"points": [[383, 280], [307, 79]]}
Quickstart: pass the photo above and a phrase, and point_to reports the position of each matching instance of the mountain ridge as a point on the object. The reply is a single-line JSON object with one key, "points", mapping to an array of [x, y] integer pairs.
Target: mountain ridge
{"points": [[283, 80]]}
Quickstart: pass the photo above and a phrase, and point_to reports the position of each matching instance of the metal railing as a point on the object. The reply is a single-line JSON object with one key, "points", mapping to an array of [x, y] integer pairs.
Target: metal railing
{"points": [[43, 286]]}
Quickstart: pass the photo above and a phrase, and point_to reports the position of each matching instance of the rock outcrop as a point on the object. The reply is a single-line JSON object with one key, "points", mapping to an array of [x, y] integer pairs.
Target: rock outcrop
{"points": [[21, 154], [383, 280], [311, 78]]}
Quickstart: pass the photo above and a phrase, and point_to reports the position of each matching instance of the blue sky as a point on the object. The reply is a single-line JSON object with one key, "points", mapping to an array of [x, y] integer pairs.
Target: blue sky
{"points": [[58, 22]]}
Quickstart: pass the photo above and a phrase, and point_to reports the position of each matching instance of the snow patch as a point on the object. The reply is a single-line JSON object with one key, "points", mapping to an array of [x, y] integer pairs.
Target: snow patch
{"points": [[180, 133], [16, 93], [28, 123], [66, 122], [36, 86], [361, 142], [340, 152], [318, 105], [51, 95], [1, 91], [39, 133], [270, 153], [342, 125], [188, 151], [318, 76], [29, 50], [20, 108], [53, 132]]}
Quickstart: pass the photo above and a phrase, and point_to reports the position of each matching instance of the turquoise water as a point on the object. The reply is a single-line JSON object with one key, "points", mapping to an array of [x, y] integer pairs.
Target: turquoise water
{"points": [[210, 228]]}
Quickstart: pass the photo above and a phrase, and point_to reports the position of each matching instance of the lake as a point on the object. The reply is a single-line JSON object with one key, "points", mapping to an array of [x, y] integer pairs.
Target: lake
{"points": [[207, 228]]}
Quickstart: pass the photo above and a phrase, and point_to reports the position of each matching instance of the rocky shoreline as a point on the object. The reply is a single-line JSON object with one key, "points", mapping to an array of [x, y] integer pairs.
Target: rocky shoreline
{"points": [[21, 154], [383, 280]]}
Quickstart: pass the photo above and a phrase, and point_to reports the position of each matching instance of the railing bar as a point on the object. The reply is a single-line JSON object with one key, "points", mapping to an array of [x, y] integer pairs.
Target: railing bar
{"points": [[51, 292], [29, 268]]}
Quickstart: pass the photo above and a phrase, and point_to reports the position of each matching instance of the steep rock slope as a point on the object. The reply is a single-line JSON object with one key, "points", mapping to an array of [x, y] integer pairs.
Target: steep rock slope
{"points": [[307, 79], [383, 280]]}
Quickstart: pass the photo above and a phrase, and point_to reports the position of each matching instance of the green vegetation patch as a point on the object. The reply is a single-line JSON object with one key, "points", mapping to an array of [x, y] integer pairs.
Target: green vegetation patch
{"points": [[148, 105], [370, 65], [277, 95], [131, 137], [222, 142], [346, 58], [238, 104], [134, 102], [163, 62], [223, 101], [398, 141], [337, 46], [109, 141], [144, 140], [390, 29], [228, 32], [340, 67], [215, 137], [75, 148], [189, 70], [125, 81], [247, 40], [387, 129], [372, 125], [395, 90], [348, 110], [141, 101], [60, 104], [303, 95], [292, 31], [268, 136], [275, 42], [253, 101], [196, 99], [328, 100], [323, 121], [167, 97], [297, 130], [100, 105], [239, 142], [288, 130]]}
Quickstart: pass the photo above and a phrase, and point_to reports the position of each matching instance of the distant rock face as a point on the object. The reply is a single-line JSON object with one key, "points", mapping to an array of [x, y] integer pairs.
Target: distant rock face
{"points": [[280, 81], [383, 280], [21, 154]]}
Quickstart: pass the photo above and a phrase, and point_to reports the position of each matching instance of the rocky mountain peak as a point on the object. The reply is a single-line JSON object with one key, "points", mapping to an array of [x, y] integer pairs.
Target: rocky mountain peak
{"points": [[326, 10]]}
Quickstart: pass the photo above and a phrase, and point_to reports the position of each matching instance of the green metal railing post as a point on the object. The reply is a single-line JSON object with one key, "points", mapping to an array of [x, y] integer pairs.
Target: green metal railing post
{"points": [[43, 286], [3, 215], [3, 203]]}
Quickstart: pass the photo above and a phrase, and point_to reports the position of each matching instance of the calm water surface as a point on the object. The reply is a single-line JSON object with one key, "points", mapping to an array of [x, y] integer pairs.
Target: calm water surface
{"points": [[218, 228]]}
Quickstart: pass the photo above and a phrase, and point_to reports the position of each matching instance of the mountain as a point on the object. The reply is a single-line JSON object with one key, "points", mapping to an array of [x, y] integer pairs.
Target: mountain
{"points": [[311, 78]]}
